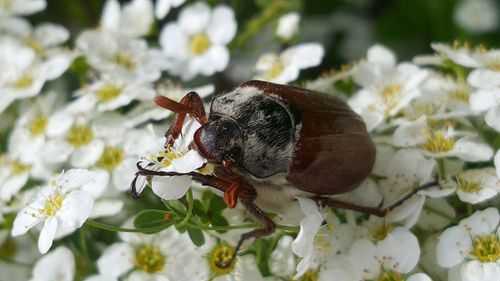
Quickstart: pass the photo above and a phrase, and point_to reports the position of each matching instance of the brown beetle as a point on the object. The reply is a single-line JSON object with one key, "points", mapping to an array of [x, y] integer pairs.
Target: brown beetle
{"points": [[273, 142]]}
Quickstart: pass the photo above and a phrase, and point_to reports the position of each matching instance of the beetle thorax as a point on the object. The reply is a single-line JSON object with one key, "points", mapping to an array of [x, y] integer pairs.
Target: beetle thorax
{"points": [[267, 129]]}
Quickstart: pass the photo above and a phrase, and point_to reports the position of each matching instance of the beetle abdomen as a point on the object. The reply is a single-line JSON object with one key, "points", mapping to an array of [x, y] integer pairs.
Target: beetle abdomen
{"points": [[333, 152]]}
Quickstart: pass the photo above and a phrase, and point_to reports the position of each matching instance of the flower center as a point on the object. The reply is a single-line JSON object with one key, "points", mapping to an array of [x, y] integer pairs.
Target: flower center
{"points": [[310, 275], [468, 185], [199, 43], [486, 247], [38, 124], [390, 276], [437, 142], [166, 157], [416, 111], [35, 45], [125, 60], [23, 82], [17, 168], [52, 204], [380, 231], [276, 69], [108, 92], [80, 135], [111, 157], [149, 258], [220, 256], [461, 93], [391, 96]]}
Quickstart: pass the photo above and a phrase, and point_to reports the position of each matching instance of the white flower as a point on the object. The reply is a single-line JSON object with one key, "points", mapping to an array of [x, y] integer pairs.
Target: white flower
{"points": [[440, 142], [288, 26], [387, 87], [126, 57], [471, 248], [163, 7], [178, 158], [196, 43], [65, 202], [134, 19], [476, 185], [497, 162], [112, 92], [303, 245], [477, 16], [488, 100], [58, 264], [22, 75], [21, 7], [286, 66], [158, 257]]}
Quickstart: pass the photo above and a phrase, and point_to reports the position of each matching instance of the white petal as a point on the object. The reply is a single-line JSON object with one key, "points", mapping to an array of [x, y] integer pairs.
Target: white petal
{"points": [[471, 151], [476, 197], [304, 55], [137, 17], [174, 41], [106, 208], [195, 18], [74, 178], [88, 155], [162, 8], [116, 260], [222, 26], [56, 65], [124, 174], [399, 251], [475, 270], [58, 124], [110, 17], [309, 226], [492, 118], [56, 151], [484, 78], [76, 208], [481, 222], [410, 134], [25, 220], [380, 54], [497, 162], [98, 184], [100, 277], [171, 187], [362, 254], [12, 186], [50, 34], [58, 264], [419, 277], [482, 100], [453, 246], [188, 163], [47, 235]]}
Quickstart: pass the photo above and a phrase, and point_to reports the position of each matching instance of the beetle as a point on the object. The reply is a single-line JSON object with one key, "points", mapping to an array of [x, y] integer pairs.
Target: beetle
{"points": [[272, 142]]}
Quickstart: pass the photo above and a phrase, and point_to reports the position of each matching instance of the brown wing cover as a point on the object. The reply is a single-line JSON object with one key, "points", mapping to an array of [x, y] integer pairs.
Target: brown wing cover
{"points": [[334, 152]]}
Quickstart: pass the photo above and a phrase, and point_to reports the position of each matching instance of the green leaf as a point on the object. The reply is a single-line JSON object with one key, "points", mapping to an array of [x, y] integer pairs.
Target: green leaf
{"points": [[219, 220], [199, 209], [176, 207], [263, 250], [152, 221], [216, 204], [196, 236]]}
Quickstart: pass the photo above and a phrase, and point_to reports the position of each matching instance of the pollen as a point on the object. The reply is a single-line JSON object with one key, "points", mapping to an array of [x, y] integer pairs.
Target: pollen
{"points": [[310, 275], [437, 142], [468, 185], [199, 43], [23, 82], [80, 135], [35, 45], [52, 204], [390, 276], [166, 157], [391, 96], [108, 92], [125, 60], [461, 93], [486, 247], [276, 69], [111, 158], [149, 258], [38, 124], [220, 256], [416, 111], [17, 168], [380, 231]]}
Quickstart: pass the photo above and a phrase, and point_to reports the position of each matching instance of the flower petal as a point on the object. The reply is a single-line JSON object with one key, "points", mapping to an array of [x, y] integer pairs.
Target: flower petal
{"points": [[76, 208], [47, 235], [116, 260], [171, 187], [222, 26]]}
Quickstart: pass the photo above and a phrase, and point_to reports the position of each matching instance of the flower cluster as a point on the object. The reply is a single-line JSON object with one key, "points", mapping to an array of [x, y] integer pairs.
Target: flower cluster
{"points": [[79, 128]]}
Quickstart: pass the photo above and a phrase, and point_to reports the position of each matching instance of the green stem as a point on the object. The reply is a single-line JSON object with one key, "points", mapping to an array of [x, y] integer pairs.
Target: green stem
{"points": [[112, 228], [294, 229], [189, 213], [83, 242], [441, 171]]}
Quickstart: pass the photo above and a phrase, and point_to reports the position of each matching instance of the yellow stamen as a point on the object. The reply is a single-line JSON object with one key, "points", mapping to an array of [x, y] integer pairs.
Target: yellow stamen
{"points": [[391, 96], [108, 92], [469, 185], [23, 82], [38, 125], [17, 168], [218, 259], [275, 70], [149, 259], [80, 135], [199, 43], [52, 204], [310, 275], [111, 157], [380, 231], [486, 248], [125, 60], [437, 142], [390, 276]]}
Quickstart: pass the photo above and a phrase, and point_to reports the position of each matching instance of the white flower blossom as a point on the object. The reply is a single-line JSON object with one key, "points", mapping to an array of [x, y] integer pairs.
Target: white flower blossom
{"points": [[196, 43], [21, 7], [475, 185], [134, 19], [288, 26], [163, 7], [59, 265], [65, 202], [477, 16], [285, 67]]}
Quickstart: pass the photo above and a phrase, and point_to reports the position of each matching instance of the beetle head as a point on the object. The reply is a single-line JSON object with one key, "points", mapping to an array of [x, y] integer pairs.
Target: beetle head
{"points": [[219, 139]]}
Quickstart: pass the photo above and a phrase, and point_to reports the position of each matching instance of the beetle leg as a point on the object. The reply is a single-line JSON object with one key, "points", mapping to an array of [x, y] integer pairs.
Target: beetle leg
{"points": [[190, 104], [323, 201], [268, 228]]}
